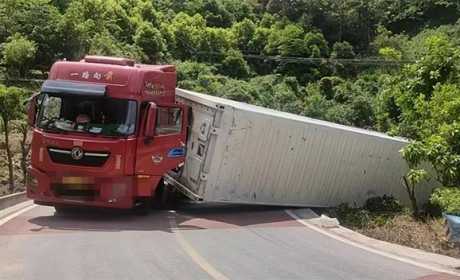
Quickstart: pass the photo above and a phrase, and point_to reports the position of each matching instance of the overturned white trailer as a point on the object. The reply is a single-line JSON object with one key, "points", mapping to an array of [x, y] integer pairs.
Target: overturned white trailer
{"points": [[241, 153]]}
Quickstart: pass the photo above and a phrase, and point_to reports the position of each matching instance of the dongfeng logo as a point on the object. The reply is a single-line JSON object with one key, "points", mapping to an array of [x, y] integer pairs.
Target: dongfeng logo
{"points": [[76, 153]]}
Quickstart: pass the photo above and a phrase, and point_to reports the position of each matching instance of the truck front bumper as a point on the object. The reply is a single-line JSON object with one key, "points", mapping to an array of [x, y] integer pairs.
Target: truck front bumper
{"points": [[70, 189]]}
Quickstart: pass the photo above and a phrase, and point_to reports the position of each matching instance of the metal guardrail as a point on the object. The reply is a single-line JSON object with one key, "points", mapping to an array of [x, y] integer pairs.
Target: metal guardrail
{"points": [[12, 199]]}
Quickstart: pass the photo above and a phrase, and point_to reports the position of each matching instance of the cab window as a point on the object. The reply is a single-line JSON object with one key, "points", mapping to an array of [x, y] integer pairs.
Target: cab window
{"points": [[169, 121]]}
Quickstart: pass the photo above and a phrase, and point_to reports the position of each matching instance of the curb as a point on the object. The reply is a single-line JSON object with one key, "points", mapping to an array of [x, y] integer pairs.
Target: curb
{"points": [[420, 258], [12, 199]]}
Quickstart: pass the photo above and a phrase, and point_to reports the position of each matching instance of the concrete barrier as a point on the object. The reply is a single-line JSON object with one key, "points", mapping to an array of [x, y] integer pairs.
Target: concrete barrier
{"points": [[12, 199]]}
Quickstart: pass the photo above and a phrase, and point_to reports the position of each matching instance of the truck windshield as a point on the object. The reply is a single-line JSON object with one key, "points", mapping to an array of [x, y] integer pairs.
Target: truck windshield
{"points": [[104, 116]]}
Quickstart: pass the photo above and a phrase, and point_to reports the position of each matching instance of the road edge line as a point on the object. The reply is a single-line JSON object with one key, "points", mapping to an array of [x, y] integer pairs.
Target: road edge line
{"points": [[369, 249], [193, 254], [15, 214]]}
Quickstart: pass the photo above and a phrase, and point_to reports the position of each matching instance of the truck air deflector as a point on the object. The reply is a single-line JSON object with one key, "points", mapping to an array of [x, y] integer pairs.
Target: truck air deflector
{"points": [[52, 86]]}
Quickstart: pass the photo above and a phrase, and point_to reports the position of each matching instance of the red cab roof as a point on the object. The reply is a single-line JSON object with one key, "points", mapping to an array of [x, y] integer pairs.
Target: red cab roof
{"points": [[122, 77]]}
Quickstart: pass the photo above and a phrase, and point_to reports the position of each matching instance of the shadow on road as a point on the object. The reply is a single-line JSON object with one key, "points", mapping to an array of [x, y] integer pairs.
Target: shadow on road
{"points": [[184, 217]]}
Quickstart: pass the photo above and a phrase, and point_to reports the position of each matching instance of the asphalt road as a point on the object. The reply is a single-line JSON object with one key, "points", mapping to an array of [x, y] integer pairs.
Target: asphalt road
{"points": [[205, 242]]}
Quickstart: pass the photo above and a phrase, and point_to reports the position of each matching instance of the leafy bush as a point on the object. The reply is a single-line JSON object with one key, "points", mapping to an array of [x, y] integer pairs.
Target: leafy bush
{"points": [[448, 199], [352, 217], [384, 203], [376, 212], [234, 65], [19, 54]]}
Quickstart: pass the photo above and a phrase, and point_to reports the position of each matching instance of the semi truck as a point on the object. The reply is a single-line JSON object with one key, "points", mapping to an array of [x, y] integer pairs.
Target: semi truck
{"points": [[108, 132]]}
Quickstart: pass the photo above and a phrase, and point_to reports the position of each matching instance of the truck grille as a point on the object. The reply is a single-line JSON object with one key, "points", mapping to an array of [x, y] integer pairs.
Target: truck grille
{"points": [[64, 156]]}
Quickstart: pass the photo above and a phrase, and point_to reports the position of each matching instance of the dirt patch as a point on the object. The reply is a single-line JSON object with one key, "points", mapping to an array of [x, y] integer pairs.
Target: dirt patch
{"points": [[385, 218], [428, 235]]}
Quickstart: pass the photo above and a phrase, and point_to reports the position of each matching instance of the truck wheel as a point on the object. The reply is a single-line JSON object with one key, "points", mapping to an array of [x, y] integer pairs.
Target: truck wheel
{"points": [[165, 197], [62, 210], [168, 196], [143, 207]]}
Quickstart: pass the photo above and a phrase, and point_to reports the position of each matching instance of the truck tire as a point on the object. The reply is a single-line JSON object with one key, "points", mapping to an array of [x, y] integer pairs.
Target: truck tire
{"points": [[143, 207], [168, 196], [165, 197], [62, 210]]}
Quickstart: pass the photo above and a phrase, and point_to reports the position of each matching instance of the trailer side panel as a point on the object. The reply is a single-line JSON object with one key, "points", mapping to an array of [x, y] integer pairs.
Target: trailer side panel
{"points": [[260, 156]]}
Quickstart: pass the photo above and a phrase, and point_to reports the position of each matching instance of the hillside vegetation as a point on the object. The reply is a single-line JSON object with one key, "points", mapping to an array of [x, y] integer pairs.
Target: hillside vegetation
{"points": [[386, 65]]}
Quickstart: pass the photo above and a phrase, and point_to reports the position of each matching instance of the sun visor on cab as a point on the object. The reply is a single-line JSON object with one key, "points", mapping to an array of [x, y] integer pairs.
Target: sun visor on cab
{"points": [[71, 88]]}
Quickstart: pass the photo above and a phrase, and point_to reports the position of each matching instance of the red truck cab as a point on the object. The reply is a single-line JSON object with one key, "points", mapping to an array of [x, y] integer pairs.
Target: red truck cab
{"points": [[105, 131]]}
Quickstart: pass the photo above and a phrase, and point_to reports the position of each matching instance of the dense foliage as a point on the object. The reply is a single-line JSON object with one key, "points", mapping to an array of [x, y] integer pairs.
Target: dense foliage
{"points": [[391, 66], [448, 199]]}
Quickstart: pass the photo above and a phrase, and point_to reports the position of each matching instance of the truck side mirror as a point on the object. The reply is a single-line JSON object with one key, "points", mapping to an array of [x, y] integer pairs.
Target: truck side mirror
{"points": [[150, 122], [32, 109]]}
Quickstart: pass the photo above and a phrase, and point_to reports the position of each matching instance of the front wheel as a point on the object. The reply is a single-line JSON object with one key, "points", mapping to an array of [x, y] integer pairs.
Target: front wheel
{"points": [[165, 197], [143, 206], [62, 210]]}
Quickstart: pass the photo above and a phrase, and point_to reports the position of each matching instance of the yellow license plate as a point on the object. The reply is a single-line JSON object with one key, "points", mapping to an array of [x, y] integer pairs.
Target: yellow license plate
{"points": [[77, 180]]}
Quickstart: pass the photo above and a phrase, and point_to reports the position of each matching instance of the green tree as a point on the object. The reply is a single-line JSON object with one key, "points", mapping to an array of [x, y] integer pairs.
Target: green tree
{"points": [[234, 65], [343, 50], [277, 92], [240, 10], [22, 127], [287, 41], [316, 105], [190, 70], [188, 33], [390, 54], [414, 155], [448, 199], [216, 14], [215, 43], [39, 21], [413, 89], [146, 12], [243, 33], [395, 43], [291, 9], [260, 39], [316, 44], [327, 86], [238, 90], [150, 41], [412, 16], [10, 109], [18, 55], [105, 44]]}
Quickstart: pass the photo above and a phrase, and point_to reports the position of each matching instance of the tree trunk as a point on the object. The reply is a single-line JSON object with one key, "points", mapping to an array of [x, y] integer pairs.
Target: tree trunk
{"points": [[25, 148], [9, 155], [413, 201], [411, 192]]}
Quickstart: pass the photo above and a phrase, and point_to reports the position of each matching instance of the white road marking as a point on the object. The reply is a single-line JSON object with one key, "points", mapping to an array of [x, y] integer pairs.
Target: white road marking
{"points": [[194, 255], [15, 214], [368, 249]]}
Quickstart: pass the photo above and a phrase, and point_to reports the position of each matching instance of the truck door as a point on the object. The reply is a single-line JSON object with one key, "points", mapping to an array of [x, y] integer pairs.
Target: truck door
{"points": [[162, 149]]}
